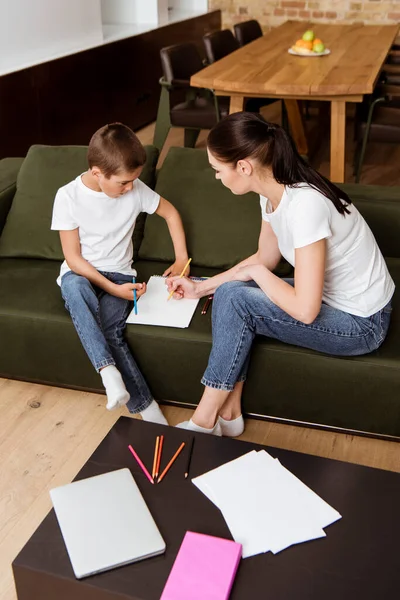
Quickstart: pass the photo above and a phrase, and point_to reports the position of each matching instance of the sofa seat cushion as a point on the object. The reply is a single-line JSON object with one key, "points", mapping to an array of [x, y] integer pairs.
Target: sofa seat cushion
{"points": [[45, 169], [39, 343]]}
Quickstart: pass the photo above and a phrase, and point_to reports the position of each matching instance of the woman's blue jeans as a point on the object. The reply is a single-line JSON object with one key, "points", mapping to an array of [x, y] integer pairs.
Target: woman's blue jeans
{"points": [[242, 310], [100, 321]]}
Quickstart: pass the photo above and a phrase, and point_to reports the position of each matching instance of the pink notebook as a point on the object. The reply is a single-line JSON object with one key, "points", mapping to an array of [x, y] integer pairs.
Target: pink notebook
{"points": [[204, 569]]}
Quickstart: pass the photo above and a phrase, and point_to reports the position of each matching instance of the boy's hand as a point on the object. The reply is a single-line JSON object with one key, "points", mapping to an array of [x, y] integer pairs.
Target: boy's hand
{"points": [[176, 269], [182, 287], [125, 290]]}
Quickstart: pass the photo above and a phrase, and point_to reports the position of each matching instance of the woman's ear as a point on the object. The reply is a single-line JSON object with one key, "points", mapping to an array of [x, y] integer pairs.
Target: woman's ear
{"points": [[244, 167]]}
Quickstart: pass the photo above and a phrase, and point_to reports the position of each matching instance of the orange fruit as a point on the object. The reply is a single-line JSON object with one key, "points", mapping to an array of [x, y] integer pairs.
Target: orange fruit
{"points": [[317, 41], [304, 44]]}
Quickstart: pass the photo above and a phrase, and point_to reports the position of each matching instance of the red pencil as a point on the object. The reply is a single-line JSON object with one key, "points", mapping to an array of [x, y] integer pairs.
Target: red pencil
{"points": [[141, 465]]}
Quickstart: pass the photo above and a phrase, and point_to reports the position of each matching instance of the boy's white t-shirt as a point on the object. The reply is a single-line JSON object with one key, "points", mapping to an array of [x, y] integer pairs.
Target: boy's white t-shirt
{"points": [[357, 280], [105, 224]]}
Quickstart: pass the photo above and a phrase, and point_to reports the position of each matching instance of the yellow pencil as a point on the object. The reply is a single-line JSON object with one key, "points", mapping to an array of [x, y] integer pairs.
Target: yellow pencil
{"points": [[181, 275]]}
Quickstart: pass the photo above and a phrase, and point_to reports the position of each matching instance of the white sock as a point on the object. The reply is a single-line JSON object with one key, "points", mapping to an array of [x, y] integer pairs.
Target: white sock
{"points": [[117, 394], [216, 430], [153, 414], [232, 428]]}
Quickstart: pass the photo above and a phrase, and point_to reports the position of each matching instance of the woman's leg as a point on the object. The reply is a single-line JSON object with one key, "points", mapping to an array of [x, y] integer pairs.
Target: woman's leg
{"points": [[242, 310]]}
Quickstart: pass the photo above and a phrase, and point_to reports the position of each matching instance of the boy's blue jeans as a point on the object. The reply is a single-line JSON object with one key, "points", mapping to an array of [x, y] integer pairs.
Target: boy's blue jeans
{"points": [[242, 310], [99, 320]]}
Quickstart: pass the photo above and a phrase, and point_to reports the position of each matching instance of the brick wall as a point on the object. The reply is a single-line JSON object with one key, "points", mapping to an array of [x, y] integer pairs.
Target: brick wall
{"points": [[271, 13]]}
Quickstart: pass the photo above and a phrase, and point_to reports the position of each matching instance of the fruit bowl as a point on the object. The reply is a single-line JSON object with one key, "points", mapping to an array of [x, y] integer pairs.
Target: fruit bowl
{"points": [[308, 53]]}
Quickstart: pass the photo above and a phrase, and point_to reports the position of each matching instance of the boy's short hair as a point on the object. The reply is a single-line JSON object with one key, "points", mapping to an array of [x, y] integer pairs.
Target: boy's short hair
{"points": [[115, 148]]}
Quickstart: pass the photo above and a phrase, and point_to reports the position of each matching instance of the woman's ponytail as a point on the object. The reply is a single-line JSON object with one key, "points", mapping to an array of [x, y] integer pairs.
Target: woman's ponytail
{"points": [[248, 135]]}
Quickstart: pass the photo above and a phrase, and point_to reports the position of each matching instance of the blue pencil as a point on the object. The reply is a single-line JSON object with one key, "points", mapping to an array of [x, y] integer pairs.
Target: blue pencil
{"points": [[134, 296]]}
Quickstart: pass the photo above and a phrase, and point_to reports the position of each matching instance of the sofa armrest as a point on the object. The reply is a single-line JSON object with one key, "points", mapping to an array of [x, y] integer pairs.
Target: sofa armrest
{"points": [[9, 168]]}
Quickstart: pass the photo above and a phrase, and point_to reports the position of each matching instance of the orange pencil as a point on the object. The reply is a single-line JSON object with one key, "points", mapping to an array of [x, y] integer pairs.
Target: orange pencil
{"points": [[160, 445], [171, 462], [155, 457]]}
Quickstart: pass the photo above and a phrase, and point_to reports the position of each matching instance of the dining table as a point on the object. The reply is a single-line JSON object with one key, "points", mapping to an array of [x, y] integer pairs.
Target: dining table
{"points": [[265, 68]]}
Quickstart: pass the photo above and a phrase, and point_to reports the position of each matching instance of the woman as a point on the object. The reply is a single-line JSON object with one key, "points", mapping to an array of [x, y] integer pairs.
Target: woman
{"points": [[339, 300]]}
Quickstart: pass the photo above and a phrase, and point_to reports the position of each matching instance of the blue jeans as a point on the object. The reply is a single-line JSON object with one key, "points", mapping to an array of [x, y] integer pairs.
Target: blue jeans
{"points": [[100, 320], [242, 310]]}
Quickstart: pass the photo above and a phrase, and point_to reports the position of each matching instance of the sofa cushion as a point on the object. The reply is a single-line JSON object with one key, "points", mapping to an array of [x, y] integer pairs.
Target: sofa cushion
{"points": [[187, 180], [27, 230]]}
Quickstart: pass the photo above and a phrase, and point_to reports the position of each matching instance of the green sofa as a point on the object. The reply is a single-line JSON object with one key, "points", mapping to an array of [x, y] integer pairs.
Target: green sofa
{"points": [[39, 343]]}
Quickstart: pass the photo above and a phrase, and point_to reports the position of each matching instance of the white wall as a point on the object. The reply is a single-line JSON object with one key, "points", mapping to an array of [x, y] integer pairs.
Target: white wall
{"points": [[34, 31], [134, 11], [190, 4]]}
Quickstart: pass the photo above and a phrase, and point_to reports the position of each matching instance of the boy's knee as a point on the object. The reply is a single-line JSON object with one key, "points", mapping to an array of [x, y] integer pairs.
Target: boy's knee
{"points": [[74, 286]]}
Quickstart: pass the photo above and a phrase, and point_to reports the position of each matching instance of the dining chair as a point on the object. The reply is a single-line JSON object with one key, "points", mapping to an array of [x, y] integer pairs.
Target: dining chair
{"points": [[247, 31], [218, 44], [379, 122], [199, 109]]}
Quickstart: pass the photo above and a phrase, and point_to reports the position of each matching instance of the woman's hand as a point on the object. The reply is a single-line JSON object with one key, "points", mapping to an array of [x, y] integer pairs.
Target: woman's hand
{"points": [[182, 287], [176, 269], [125, 290]]}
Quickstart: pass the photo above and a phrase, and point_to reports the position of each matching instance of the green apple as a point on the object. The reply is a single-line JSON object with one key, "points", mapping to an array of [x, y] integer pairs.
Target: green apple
{"points": [[318, 48], [308, 35]]}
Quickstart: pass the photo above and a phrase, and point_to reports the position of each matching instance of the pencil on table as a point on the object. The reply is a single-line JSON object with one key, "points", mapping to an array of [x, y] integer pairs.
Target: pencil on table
{"points": [[153, 473], [181, 275], [189, 458], [171, 462], [160, 445], [141, 465]]}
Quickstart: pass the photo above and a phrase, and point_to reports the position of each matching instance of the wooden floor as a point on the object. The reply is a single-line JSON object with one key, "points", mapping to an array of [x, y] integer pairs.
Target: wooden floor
{"points": [[381, 164], [47, 434]]}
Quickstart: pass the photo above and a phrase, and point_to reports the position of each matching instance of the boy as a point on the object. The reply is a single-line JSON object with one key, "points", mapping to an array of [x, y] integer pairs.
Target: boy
{"points": [[95, 215]]}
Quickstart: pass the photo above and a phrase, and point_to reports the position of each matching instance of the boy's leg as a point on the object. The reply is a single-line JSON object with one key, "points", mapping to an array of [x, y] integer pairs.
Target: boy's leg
{"points": [[113, 314], [82, 303]]}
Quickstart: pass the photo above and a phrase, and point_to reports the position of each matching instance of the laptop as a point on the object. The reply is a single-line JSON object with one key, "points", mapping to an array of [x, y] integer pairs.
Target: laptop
{"points": [[105, 523]]}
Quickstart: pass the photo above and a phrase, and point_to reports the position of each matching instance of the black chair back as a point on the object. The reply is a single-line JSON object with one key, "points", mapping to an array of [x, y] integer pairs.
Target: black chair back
{"points": [[247, 32], [180, 61], [219, 44]]}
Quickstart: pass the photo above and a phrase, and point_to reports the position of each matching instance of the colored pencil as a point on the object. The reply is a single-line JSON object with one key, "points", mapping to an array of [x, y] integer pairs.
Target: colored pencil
{"points": [[189, 458], [155, 456], [159, 455], [141, 465], [181, 275], [134, 296], [171, 462], [206, 304]]}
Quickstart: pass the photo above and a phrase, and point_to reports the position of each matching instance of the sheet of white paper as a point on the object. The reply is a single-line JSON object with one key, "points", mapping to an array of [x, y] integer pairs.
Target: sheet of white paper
{"points": [[154, 308], [264, 505]]}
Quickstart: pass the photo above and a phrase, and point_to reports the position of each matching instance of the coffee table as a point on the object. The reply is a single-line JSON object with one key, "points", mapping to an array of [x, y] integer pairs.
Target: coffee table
{"points": [[358, 559]]}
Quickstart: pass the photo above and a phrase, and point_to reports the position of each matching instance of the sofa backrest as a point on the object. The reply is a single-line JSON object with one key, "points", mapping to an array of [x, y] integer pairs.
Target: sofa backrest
{"points": [[27, 230], [222, 228]]}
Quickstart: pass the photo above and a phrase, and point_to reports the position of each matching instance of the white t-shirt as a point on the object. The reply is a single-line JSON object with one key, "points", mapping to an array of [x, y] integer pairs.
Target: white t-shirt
{"points": [[105, 224], [357, 280]]}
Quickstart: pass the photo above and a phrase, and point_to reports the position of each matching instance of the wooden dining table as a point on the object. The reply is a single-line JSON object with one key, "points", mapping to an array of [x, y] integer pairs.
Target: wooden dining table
{"points": [[264, 68]]}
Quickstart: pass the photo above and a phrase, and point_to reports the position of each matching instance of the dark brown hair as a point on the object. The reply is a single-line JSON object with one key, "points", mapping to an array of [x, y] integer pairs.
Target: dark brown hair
{"points": [[115, 148], [248, 135]]}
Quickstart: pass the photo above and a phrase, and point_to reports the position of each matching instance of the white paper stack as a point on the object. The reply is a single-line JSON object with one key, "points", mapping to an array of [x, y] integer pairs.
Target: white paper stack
{"points": [[264, 505]]}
